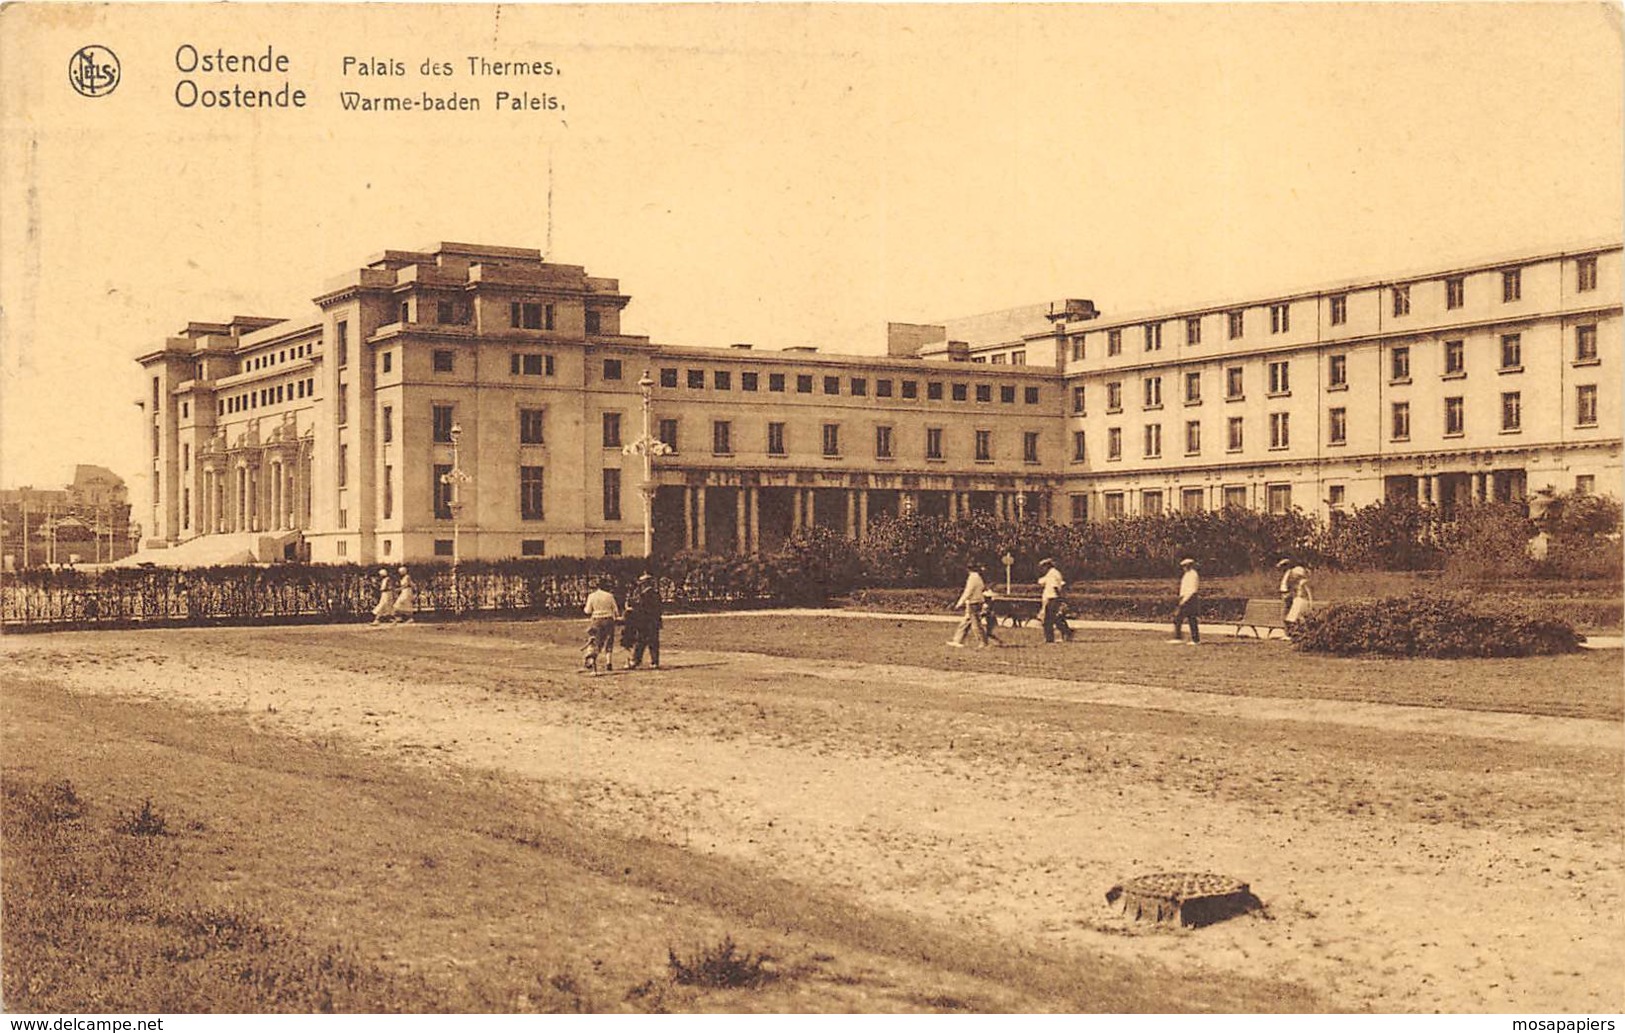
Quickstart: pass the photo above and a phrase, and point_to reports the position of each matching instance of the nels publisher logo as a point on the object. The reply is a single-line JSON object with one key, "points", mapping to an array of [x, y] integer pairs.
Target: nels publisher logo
{"points": [[94, 71]]}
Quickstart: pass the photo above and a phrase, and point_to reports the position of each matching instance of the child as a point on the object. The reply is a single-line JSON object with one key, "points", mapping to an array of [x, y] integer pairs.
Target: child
{"points": [[602, 611]]}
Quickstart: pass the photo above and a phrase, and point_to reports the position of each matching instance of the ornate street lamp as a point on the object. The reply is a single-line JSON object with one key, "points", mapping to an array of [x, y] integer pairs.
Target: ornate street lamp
{"points": [[1021, 505], [455, 478], [648, 447]]}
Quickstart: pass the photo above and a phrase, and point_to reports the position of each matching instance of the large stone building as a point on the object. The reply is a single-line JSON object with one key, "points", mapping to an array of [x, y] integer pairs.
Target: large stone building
{"points": [[482, 402]]}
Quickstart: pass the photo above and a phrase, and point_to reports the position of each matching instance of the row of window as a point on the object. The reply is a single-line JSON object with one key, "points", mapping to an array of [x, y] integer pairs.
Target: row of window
{"points": [[269, 395], [276, 358], [1280, 426], [1281, 314], [856, 387], [1279, 373], [1278, 498]]}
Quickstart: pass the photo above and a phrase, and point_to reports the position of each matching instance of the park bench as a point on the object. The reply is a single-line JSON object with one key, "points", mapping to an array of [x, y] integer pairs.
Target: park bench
{"points": [[1263, 616]]}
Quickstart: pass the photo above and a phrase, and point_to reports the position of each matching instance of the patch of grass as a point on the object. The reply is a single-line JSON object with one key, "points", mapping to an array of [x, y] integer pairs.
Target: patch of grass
{"points": [[145, 822], [722, 966]]}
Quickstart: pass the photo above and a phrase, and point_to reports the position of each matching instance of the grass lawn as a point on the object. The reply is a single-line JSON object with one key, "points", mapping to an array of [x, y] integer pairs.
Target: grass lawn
{"points": [[1586, 684]]}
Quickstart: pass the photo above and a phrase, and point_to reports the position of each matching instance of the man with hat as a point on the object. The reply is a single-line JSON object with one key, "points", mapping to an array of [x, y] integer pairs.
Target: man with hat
{"points": [[1190, 605], [643, 613], [971, 601], [602, 611], [1050, 582]]}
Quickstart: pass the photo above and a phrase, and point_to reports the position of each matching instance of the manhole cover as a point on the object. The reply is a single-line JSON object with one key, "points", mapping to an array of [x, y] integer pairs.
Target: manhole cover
{"points": [[1189, 898]]}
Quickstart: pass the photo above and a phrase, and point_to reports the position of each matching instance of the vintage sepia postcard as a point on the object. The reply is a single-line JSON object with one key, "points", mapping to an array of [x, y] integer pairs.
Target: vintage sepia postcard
{"points": [[819, 508]]}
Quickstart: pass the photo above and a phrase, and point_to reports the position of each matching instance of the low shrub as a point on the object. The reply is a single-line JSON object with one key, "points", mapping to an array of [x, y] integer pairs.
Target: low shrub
{"points": [[1439, 626], [723, 966]]}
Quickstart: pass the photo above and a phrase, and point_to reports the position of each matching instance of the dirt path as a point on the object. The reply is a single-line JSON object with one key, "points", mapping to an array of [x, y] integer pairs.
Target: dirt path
{"points": [[958, 796]]}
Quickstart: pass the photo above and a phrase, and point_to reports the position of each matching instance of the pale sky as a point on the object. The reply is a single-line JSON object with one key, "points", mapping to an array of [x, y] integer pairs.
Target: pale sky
{"points": [[778, 175]]}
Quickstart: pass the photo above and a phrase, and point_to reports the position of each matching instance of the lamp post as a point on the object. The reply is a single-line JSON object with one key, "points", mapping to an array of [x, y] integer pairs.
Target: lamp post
{"points": [[648, 447], [1021, 506], [455, 478]]}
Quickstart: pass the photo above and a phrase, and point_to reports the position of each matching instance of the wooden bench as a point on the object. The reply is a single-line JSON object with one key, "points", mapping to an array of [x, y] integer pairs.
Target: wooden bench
{"points": [[1262, 614]]}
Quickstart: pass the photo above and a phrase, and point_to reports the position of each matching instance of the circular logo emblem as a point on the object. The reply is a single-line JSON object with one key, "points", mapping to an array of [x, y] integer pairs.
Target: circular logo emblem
{"points": [[93, 71]]}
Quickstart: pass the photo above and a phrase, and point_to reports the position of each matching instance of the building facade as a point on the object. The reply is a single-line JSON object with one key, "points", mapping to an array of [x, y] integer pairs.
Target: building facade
{"points": [[86, 521], [480, 402]]}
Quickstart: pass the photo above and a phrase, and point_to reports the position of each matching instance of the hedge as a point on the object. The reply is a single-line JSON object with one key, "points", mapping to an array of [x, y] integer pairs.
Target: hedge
{"points": [[1445, 627]]}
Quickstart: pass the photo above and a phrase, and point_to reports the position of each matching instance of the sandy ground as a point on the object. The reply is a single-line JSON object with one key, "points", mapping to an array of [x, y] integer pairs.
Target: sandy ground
{"points": [[1005, 806]]}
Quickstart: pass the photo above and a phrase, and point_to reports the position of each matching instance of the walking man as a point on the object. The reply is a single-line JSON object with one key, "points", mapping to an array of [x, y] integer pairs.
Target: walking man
{"points": [[643, 612], [1049, 602], [602, 611], [1189, 602], [970, 602]]}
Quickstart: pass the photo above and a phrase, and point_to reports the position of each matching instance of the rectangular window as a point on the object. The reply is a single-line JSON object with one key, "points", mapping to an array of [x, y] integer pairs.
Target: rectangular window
{"points": [[1193, 437], [1337, 372], [442, 547], [883, 388], [1455, 416], [1193, 330], [1007, 394], [1077, 400], [612, 494], [1153, 441], [1511, 285], [1190, 500], [186, 456], [1585, 270], [1511, 411], [341, 337], [1114, 342], [343, 403], [1511, 351], [832, 439], [1280, 430], [1078, 348], [612, 369], [1402, 300], [1150, 503], [883, 448], [1585, 405], [1079, 454], [1455, 292], [1080, 509], [530, 493], [722, 380], [749, 381], [1114, 396], [612, 429], [1401, 418], [1400, 365], [1280, 318], [1337, 426], [548, 320], [1153, 392], [1280, 498], [1018, 357], [1153, 337], [1238, 325], [832, 385], [668, 377], [442, 491], [1455, 358], [1114, 443], [530, 426], [532, 547], [775, 439], [858, 387], [667, 433], [960, 392], [696, 380], [1336, 494], [984, 392], [721, 438], [444, 361], [933, 391], [775, 382], [1029, 446], [933, 442], [1585, 484], [388, 424], [804, 384], [1280, 378], [911, 389], [443, 417], [1235, 496], [612, 546], [1114, 504], [1233, 383], [984, 446], [387, 359], [526, 315], [1193, 389], [592, 322], [445, 312], [1340, 309], [1585, 343]]}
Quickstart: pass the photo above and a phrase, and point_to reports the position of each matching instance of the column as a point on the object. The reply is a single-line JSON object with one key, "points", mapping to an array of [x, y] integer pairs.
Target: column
{"points": [[1421, 490], [953, 505], [795, 510], [755, 520], [688, 517], [276, 496], [863, 513], [812, 508], [741, 526], [290, 493], [699, 518], [851, 513]]}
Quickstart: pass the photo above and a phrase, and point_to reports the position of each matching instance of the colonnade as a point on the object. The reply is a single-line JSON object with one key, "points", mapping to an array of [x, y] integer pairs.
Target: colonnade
{"points": [[269, 491]]}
